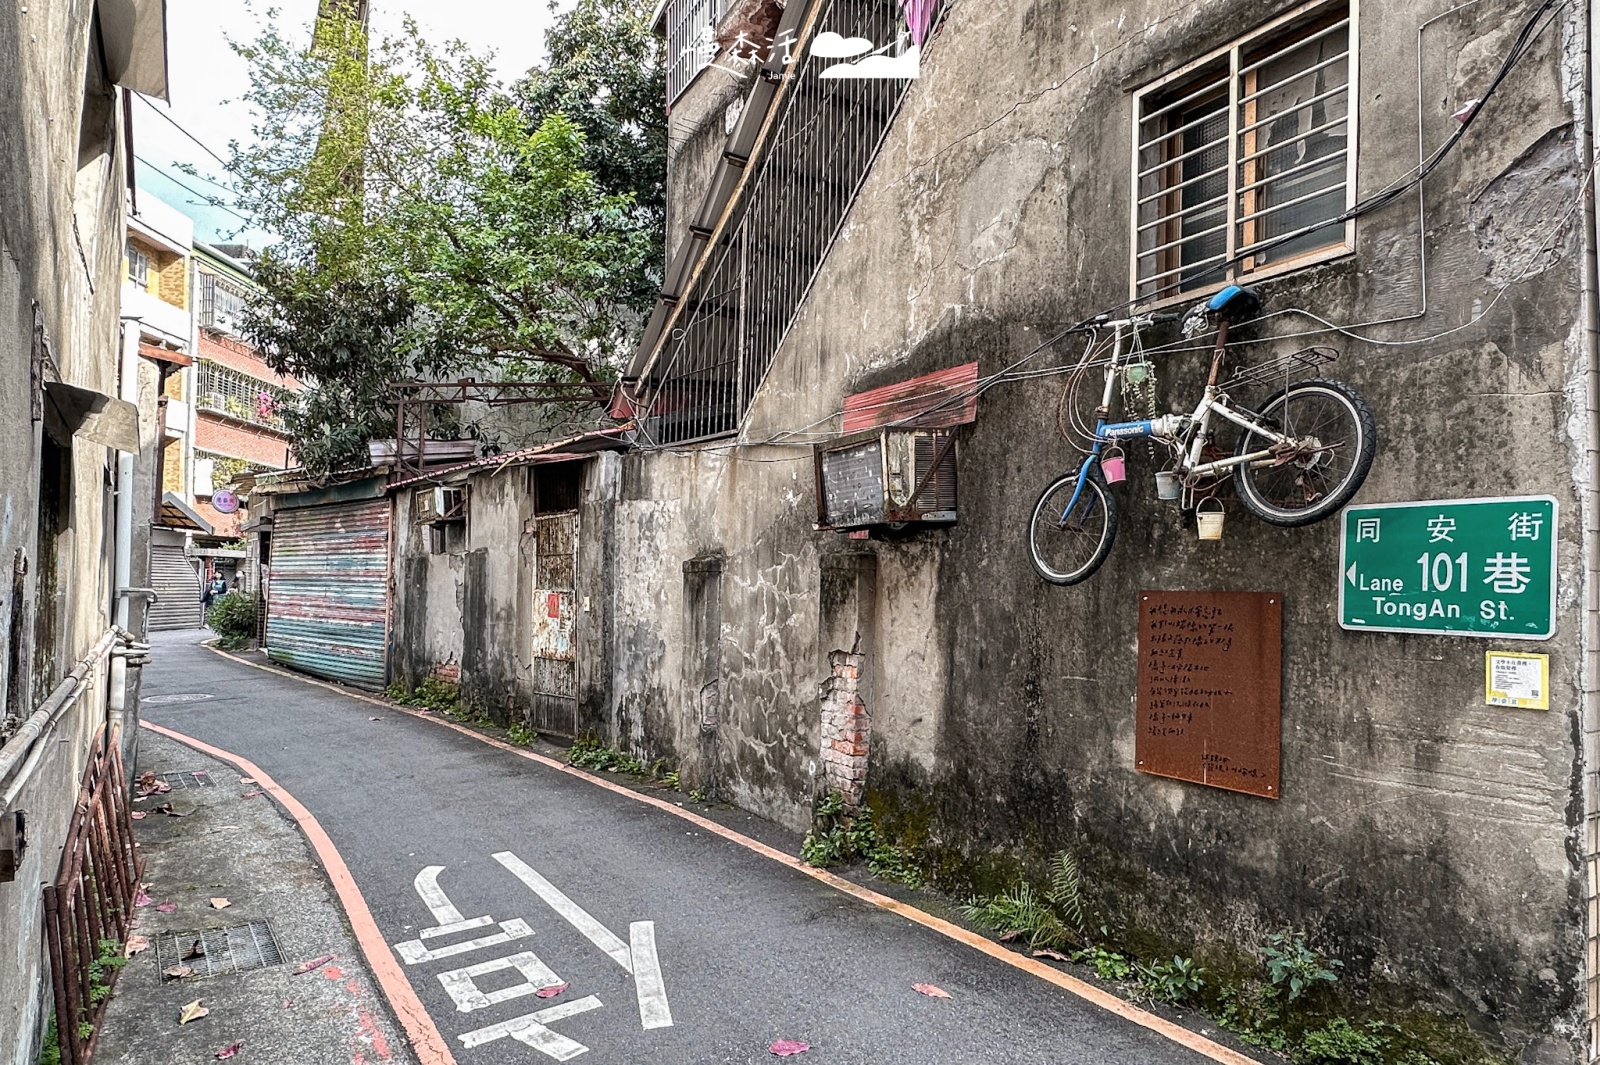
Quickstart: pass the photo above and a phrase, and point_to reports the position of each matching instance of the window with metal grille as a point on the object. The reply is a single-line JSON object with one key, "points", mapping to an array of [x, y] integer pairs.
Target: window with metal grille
{"points": [[756, 276], [221, 303], [689, 47], [1245, 159], [227, 391], [138, 265]]}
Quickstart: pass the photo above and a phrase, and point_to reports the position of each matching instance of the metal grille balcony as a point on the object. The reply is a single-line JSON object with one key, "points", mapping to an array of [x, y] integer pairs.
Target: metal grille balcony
{"points": [[224, 391], [756, 277]]}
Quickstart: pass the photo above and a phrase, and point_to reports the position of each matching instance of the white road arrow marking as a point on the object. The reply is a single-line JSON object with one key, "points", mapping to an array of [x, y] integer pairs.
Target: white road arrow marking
{"points": [[638, 958], [575, 915], [653, 1009]]}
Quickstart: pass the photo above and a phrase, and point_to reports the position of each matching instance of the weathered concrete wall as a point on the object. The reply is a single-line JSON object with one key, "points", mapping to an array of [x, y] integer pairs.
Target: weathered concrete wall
{"points": [[470, 607], [1428, 840], [61, 167]]}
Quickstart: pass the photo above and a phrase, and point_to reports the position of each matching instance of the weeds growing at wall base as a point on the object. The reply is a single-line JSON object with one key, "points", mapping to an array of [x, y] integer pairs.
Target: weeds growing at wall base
{"points": [[589, 753], [840, 835]]}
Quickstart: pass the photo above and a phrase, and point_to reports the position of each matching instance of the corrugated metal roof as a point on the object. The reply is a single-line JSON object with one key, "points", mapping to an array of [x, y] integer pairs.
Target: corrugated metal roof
{"points": [[576, 447]]}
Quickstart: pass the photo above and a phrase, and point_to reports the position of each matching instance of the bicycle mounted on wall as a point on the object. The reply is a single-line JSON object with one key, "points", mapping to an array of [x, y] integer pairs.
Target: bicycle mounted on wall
{"points": [[1298, 459]]}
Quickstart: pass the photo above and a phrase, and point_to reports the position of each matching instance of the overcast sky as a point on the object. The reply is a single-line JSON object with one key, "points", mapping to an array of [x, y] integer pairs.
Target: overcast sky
{"points": [[207, 79]]}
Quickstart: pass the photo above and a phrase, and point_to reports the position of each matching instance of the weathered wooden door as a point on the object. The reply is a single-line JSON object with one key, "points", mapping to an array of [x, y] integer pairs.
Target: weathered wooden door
{"points": [[555, 663]]}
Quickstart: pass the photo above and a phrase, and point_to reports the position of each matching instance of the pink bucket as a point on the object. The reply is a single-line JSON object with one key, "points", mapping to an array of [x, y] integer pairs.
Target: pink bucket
{"points": [[1114, 467]]}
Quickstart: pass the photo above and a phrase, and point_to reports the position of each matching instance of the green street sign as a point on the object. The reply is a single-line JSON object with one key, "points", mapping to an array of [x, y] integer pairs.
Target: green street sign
{"points": [[1452, 567]]}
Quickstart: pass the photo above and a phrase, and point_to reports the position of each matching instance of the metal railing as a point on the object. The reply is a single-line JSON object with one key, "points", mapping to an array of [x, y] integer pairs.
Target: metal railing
{"points": [[756, 278], [89, 906]]}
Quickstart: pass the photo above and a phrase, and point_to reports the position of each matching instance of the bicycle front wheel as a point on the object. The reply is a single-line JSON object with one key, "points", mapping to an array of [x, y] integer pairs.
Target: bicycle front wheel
{"points": [[1067, 546], [1332, 436]]}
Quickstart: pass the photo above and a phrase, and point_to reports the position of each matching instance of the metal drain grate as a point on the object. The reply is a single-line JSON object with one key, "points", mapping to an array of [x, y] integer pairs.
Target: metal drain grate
{"points": [[227, 950], [182, 780]]}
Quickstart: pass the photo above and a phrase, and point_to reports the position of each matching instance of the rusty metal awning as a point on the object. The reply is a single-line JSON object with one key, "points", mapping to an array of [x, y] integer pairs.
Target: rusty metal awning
{"points": [[176, 514], [568, 450]]}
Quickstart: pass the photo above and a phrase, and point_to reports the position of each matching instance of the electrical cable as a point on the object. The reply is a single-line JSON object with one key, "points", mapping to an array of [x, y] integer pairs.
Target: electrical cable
{"points": [[206, 148], [209, 200], [1530, 31]]}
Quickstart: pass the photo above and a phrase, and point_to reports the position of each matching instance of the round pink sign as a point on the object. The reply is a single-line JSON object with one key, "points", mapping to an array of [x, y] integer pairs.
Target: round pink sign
{"points": [[225, 501]]}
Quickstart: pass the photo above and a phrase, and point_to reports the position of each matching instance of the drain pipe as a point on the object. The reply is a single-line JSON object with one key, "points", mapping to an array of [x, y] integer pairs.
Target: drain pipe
{"points": [[1590, 705]]}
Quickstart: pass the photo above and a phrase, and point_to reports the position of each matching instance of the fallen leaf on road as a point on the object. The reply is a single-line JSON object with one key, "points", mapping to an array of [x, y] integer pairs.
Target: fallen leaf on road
{"points": [[230, 1050], [166, 808], [372, 719], [1009, 936], [203, 773], [931, 990], [142, 899], [177, 972], [192, 1012], [552, 991], [247, 780], [168, 907], [251, 794], [220, 904], [162, 787], [197, 949], [787, 1047], [137, 815], [147, 779], [1056, 954], [135, 944], [314, 963]]}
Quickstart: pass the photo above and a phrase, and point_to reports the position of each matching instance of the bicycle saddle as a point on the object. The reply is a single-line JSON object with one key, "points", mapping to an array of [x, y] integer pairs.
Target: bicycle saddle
{"points": [[1235, 304]]}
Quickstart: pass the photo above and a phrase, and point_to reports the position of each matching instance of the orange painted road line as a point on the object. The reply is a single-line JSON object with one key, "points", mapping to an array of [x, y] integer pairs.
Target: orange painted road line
{"points": [[1177, 1033], [430, 1046]]}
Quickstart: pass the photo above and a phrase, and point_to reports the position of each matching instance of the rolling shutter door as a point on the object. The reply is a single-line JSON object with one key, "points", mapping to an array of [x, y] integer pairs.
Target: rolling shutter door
{"points": [[177, 585], [328, 609]]}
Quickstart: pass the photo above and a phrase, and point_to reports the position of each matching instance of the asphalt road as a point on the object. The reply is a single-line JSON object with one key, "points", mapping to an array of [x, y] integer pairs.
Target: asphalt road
{"points": [[749, 951]]}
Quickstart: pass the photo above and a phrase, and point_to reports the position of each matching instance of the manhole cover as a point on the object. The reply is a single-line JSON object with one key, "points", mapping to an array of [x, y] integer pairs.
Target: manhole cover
{"points": [[184, 697], [221, 950], [181, 780]]}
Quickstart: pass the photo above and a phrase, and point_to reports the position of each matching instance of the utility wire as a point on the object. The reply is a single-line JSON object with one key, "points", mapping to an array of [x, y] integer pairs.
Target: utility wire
{"points": [[205, 147], [209, 200], [1530, 31]]}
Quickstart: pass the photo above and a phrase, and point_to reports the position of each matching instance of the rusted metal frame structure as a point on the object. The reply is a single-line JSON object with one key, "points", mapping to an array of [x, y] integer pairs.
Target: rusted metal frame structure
{"points": [[788, 177], [412, 400], [91, 902]]}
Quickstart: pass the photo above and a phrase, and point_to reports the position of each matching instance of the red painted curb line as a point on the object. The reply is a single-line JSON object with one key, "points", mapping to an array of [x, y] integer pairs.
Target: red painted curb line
{"points": [[1177, 1033], [429, 1045]]}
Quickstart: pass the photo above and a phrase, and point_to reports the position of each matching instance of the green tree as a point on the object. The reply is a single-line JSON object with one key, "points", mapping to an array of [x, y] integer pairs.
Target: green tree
{"points": [[606, 73], [425, 230]]}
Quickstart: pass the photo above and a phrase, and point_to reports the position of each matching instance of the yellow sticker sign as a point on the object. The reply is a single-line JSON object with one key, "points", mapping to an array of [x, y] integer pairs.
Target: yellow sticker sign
{"points": [[1514, 679]]}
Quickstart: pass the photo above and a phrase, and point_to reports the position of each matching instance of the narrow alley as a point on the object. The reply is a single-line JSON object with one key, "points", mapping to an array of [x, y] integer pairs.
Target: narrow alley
{"points": [[750, 952]]}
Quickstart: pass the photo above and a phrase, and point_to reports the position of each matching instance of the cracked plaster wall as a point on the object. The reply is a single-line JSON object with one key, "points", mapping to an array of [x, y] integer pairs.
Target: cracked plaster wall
{"points": [[1427, 839]]}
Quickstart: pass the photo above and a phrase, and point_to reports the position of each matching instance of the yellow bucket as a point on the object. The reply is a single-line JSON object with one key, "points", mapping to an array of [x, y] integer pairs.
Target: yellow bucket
{"points": [[1210, 521]]}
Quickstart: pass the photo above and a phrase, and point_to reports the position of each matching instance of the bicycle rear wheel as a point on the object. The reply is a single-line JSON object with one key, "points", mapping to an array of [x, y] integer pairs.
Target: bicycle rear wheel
{"points": [[1333, 435], [1066, 547]]}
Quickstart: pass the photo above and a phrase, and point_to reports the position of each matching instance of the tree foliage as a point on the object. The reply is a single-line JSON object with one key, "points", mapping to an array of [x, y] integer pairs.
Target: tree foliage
{"points": [[426, 229], [606, 72]]}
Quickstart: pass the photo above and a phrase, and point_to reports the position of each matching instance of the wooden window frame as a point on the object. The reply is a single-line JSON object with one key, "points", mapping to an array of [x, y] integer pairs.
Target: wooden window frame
{"points": [[1163, 284]]}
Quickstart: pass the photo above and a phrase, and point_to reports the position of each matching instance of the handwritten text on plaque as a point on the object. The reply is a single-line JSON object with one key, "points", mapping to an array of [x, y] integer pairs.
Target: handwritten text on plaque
{"points": [[1210, 688]]}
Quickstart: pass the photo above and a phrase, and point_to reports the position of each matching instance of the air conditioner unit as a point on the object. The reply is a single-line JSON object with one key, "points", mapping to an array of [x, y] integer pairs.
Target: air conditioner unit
{"points": [[434, 506], [886, 477]]}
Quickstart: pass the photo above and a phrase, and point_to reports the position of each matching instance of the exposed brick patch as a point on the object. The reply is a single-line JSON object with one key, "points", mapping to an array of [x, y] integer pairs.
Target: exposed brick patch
{"points": [[846, 728], [449, 672]]}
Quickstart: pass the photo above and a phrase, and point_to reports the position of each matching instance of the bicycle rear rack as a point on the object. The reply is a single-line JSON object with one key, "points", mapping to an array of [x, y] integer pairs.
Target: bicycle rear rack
{"points": [[1268, 372]]}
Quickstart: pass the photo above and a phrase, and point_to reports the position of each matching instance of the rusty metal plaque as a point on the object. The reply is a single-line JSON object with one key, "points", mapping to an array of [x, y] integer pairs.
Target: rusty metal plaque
{"points": [[1211, 688]]}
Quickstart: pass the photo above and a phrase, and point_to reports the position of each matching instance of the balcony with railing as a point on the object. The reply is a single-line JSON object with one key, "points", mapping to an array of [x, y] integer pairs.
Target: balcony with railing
{"points": [[232, 394]]}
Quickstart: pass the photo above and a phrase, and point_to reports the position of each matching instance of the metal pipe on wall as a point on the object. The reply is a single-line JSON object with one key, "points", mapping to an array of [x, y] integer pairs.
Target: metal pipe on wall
{"points": [[1589, 708]]}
